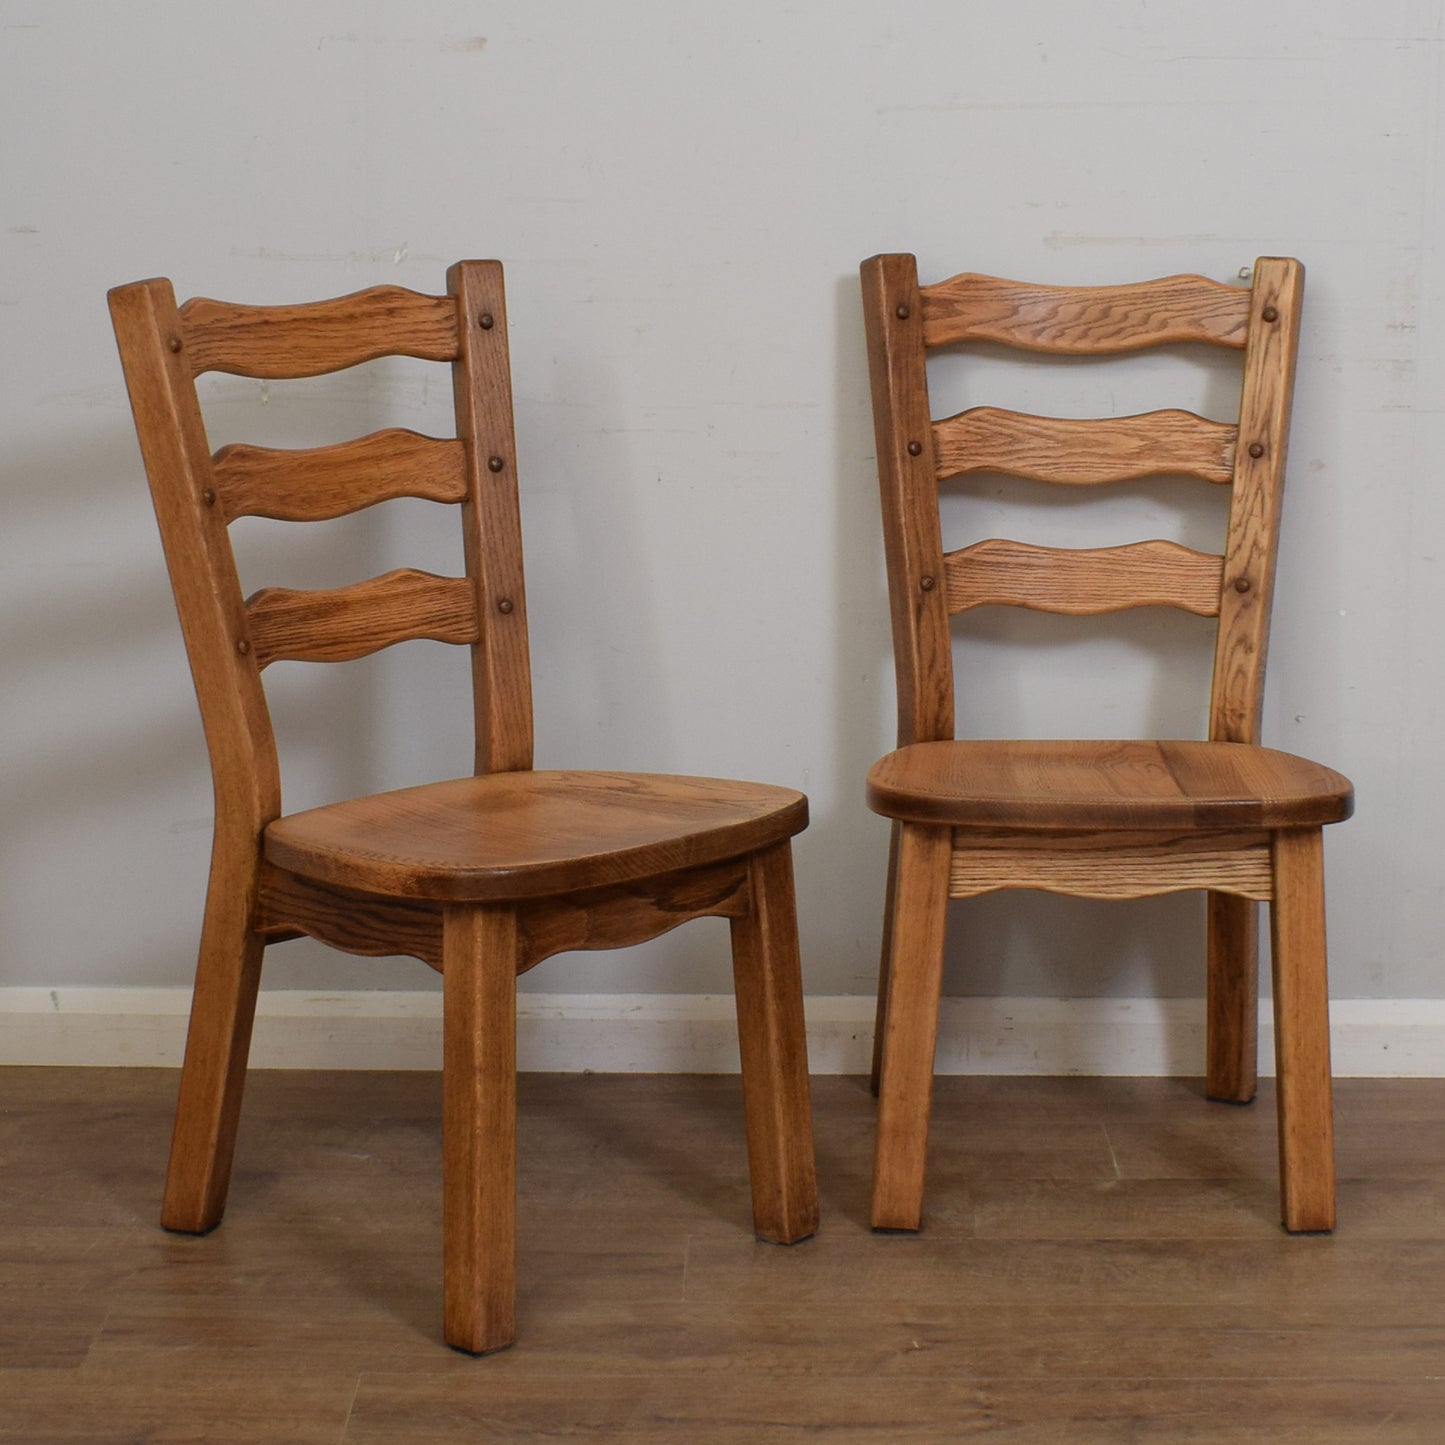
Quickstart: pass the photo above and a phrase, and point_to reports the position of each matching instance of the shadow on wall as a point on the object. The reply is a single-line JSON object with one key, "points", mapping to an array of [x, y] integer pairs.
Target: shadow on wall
{"points": [[107, 766], [100, 725], [862, 637]]}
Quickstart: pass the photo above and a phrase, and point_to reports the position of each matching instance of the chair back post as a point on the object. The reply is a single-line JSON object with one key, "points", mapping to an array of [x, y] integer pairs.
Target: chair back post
{"points": [[491, 519], [160, 377], [1237, 698], [922, 647]]}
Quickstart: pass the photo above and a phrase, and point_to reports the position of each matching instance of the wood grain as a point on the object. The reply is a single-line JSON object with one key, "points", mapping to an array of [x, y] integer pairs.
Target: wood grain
{"points": [[1110, 870], [218, 1045], [278, 342], [1066, 1299], [1098, 819], [525, 863], [1302, 1032], [1084, 320], [1082, 582], [777, 1103], [1078, 452], [479, 1127], [526, 834], [1169, 786], [616, 917], [482, 876], [221, 1406], [907, 472], [1242, 646], [880, 1008], [1232, 998], [288, 905], [342, 623], [202, 568], [492, 520], [915, 975], [1343, 1411], [247, 787], [317, 483]]}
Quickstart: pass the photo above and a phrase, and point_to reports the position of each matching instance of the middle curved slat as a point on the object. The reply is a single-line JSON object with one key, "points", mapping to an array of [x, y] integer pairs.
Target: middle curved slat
{"points": [[1080, 452], [346, 622], [1083, 582], [321, 482]]}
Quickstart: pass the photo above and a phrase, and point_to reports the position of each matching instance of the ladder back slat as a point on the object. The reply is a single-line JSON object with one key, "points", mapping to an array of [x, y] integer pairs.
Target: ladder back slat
{"points": [[1084, 320], [1084, 452], [915, 451], [278, 342], [322, 482], [342, 623], [1083, 582]]}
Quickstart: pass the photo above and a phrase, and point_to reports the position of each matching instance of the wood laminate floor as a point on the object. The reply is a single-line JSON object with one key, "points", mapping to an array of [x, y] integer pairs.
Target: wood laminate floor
{"points": [[1101, 1262]]}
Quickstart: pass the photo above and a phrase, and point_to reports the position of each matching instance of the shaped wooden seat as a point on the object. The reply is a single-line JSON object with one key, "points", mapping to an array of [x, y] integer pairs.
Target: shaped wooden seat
{"points": [[1123, 819], [483, 876], [1124, 784], [528, 834]]}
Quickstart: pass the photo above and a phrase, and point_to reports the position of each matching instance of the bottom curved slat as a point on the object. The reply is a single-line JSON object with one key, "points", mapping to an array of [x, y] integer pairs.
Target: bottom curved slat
{"points": [[1083, 582]]}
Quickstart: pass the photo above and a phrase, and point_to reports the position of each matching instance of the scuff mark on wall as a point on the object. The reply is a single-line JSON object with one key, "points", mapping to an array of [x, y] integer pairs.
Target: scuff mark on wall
{"points": [[1060, 240]]}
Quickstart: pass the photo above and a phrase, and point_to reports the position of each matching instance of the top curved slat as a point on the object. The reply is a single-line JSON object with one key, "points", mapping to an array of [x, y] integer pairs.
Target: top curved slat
{"points": [[280, 342], [1084, 320]]}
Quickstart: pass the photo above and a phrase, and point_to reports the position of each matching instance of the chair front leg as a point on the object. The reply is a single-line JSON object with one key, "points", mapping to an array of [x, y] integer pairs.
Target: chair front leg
{"points": [[218, 1044], [1302, 1032], [915, 977], [479, 1126], [773, 1042], [1232, 991]]}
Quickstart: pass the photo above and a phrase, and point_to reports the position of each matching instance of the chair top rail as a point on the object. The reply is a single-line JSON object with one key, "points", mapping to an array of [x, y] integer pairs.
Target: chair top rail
{"points": [[1084, 320], [313, 338]]}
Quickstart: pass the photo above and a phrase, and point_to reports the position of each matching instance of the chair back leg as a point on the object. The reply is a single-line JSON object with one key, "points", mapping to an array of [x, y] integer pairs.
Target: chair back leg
{"points": [[880, 1011], [213, 1077], [1232, 994]]}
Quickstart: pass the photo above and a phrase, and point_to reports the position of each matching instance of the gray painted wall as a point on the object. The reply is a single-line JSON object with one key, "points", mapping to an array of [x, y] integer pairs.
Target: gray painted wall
{"points": [[682, 195]]}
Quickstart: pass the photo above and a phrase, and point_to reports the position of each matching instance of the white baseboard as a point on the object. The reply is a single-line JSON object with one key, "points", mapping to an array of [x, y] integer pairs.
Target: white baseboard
{"points": [[694, 1033]]}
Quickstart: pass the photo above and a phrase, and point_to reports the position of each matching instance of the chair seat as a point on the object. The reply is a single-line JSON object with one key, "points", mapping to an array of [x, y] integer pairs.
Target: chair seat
{"points": [[521, 835], [1127, 785]]}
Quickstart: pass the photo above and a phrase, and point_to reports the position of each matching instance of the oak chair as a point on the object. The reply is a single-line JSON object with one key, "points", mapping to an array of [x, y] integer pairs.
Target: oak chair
{"points": [[483, 876], [1120, 819]]}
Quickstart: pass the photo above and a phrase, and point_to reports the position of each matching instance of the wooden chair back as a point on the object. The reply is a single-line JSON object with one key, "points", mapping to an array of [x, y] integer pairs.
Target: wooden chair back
{"points": [[916, 452], [229, 639]]}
